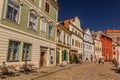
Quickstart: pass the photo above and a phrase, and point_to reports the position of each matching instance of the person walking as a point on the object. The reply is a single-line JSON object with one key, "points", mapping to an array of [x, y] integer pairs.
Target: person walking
{"points": [[103, 61], [99, 61]]}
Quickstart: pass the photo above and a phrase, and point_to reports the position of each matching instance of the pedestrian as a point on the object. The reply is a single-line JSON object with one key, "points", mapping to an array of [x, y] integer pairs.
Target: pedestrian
{"points": [[86, 60], [99, 61], [4, 68], [26, 67], [103, 61]]}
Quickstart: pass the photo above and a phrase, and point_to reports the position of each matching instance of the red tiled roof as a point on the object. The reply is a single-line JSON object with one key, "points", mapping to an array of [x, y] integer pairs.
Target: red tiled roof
{"points": [[112, 31], [67, 22]]}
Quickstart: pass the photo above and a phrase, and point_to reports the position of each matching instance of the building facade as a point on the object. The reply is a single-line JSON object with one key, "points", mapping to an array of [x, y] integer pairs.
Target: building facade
{"points": [[97, 46], [28, 32], [88, 46], [115, 35], [106, 46], [63, 44], [74, 26]]}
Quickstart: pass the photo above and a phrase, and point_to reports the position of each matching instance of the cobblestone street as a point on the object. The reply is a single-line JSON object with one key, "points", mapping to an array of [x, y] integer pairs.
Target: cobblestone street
{"points": [[87, 71]]}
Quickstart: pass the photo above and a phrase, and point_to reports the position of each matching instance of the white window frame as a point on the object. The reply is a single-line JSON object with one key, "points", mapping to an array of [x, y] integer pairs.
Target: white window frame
{"points": [[43, 25], [19, 12], [36, 20], [52, 32], [12, 49], [26, 56]]}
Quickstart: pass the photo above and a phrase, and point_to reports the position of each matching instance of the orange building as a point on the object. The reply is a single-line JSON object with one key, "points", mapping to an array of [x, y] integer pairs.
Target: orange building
{"points": [[106, 47], [115, 35], [107, 52]]}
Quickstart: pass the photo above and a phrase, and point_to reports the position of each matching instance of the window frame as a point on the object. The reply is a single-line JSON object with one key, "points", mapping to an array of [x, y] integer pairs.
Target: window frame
{"points": [[9, 54], [6, 11], [73, 42], [30, 52], [34, 13], [41, 26], [51, 33], [47, 7]]}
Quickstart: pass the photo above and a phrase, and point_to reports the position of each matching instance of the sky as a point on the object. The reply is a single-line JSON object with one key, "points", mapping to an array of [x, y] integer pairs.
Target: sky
{"points": [[93, 14]]}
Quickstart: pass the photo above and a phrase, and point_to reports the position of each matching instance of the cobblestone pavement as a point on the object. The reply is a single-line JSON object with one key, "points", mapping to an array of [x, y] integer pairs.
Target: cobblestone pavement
{"points": [[87, 71]]}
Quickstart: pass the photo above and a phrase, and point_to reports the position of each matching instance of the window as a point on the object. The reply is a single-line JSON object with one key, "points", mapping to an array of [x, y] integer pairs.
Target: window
{"points": [[114, 48], [26, 51], [72, 42], [12, 12], [43, 26], [64, 38], [32, 21], [76, 32], [13, 50], [68, 40], [114, 53], [78, 44], [75, 43], [51, 31], [58, 35], [47, 7]]}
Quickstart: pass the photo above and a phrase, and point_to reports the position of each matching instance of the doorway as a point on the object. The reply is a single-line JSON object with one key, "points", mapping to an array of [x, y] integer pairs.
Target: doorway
{"points": [[42, 59]]}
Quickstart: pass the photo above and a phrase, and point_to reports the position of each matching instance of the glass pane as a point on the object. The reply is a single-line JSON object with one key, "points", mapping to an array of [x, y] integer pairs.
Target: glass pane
{"points": [[15, 16], [13, 50], [12, 12], [9, 13], [26, 51], [32, 21]]}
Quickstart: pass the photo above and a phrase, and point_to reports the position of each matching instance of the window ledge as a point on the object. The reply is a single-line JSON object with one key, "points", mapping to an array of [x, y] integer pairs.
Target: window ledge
{"points": [[13, 60], [26, 60], [32, 29], [16, 23]]}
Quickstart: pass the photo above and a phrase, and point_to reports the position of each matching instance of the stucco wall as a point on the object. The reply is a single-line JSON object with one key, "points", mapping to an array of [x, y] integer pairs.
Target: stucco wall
{"points": [[6, 35]]}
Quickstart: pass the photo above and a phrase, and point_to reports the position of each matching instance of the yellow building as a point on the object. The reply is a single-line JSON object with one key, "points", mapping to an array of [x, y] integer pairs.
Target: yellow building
{"points": [[98, 46], [63, 44]]}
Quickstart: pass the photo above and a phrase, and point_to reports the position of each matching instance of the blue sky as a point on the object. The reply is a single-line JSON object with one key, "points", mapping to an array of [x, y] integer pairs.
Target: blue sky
{"points": [[93, 14]]}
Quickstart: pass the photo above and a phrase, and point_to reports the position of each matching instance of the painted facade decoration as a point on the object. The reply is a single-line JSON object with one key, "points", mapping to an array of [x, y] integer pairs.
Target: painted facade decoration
{"points": [[88, 46], [28, 32]]}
